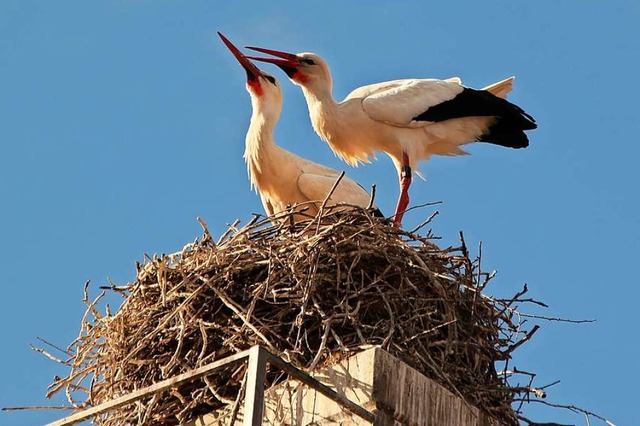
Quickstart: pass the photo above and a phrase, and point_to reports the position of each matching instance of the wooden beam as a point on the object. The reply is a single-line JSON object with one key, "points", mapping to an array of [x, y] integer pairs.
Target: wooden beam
{"points": [[156, 387], [254, 394]]}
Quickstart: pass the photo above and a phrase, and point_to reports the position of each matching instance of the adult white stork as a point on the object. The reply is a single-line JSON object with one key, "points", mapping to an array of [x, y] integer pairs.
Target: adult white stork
{"points": [[410, 119], [280, 177]]}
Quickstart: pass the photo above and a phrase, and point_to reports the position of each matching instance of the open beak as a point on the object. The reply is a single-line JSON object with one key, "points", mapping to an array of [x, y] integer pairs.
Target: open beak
{"points": [[288, 62], [252, 71]]}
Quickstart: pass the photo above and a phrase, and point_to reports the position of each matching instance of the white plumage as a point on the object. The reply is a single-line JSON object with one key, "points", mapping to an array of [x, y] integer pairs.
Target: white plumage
{"points": [[398, 103], [280, 177], [410, 120]]}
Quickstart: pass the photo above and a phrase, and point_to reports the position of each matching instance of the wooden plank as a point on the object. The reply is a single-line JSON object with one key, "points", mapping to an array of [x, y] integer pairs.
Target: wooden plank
{"points": [[156, 387], [403, 392], [254, 394], [325, 390]]}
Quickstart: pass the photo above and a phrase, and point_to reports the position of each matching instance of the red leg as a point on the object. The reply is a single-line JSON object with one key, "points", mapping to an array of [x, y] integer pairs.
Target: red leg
{"points": [[405, 182]]}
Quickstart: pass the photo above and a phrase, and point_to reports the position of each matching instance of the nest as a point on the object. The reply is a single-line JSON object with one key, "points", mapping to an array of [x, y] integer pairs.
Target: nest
{"points": [[311, 292]]}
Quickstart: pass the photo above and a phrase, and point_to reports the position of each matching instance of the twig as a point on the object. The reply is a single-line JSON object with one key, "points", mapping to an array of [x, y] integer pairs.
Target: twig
{"points": [[64, 351], [326, 200], [236, 404], [573, 408], [38, 407], [48, 355], [205, 229], [372, 197], [238, 311], [425, 222]]}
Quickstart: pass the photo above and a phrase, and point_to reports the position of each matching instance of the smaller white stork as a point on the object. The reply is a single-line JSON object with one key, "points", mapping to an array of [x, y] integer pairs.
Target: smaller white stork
{"points": [[410, 119], [280, 177]]}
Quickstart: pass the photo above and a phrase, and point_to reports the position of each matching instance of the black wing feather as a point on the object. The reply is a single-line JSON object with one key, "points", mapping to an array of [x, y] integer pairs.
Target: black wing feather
{"points": [[508, 128]]}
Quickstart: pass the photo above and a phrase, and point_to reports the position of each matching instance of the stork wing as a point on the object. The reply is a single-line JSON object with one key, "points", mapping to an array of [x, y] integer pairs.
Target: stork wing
{"points": [[399, 102], [316, 187], [371, 89]]}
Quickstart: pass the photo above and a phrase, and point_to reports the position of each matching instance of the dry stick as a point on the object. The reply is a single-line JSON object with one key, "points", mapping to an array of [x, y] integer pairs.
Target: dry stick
{"points": [[550, 384], [90, 310], [166, 320], [205, 343], [532, 423], [479, 268], [557, 319], [122, 289], [211, 387], [418, 206], [39, 407], [477, 286], [54, 346], [372, 197], [573, 408], [326, 200], [236, 404], [392, 319], [527, 388], [526, 337], [90, 395], [48, 355], [238, 311], [182, 327], [207, 235], [229, 231], [425, 222], [429, 331], [323, 343], [516, 297], [250, 225], [150, 406], [530, 300], [303, 306]]}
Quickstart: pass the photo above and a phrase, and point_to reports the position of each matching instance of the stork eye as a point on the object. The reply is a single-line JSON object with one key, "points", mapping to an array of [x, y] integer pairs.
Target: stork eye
{"points": [[308, 61], [271, 79]]}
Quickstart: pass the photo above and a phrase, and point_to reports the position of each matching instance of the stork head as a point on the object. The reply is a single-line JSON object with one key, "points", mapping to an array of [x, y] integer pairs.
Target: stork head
{"points": [[263, 87], [304, 69]]}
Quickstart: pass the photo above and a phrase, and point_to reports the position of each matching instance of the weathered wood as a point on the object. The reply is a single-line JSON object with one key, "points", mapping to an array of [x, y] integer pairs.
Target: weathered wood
{"points": [[412, 399], [254, 394]]}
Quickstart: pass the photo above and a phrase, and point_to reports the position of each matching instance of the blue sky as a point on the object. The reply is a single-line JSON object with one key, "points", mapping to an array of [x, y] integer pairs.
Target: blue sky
{"points": [[122, 121]]}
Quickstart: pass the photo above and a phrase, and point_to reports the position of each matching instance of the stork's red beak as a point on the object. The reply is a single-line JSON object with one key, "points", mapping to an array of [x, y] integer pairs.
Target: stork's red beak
{"points": [[288, 62], [284, 55], [253, 72]]}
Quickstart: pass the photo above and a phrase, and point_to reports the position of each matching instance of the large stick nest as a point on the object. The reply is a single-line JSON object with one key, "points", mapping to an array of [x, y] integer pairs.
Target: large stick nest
{"points": [[312, 293]]}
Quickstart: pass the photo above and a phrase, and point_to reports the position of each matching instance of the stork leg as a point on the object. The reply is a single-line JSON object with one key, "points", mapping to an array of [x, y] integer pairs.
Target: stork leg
{"points": [[405, 182]]}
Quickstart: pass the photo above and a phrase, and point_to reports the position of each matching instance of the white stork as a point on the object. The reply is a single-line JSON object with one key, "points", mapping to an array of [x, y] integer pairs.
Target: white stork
{"points": [[280, 177], [410, 119]]}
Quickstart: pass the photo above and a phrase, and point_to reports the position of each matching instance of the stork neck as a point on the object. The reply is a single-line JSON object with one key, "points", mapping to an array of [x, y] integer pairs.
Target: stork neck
{"points": [[323, 110], [259, 147], [259, 136], [319, 96]]}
